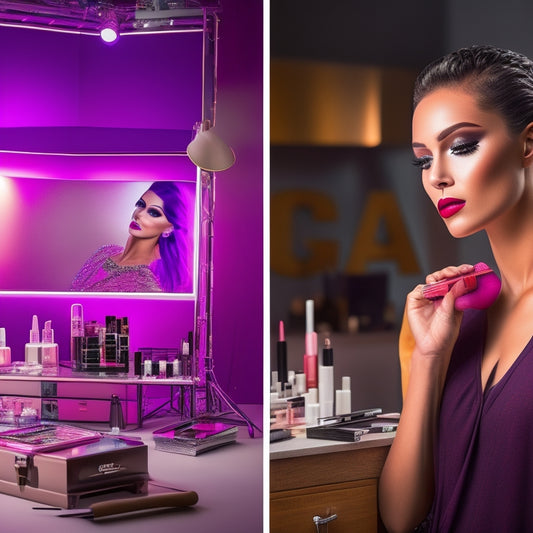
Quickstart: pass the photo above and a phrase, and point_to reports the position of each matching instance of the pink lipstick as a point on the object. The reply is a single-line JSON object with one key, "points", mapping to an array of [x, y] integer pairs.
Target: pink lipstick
{"points": [[438, 289], [134, 225], [311, 347], [449, 206], [483, 283]]}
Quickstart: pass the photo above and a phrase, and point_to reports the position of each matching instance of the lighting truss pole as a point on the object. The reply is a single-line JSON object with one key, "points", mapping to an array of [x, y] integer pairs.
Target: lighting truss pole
{"points": [[203, 345]]}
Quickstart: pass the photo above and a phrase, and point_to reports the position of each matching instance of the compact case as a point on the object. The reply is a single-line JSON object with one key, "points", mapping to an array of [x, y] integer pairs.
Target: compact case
{"points": [[59, 478]]}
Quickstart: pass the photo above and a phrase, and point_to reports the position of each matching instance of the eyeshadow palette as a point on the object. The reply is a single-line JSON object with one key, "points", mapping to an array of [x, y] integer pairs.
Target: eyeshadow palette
{"points": [[46, 437]]}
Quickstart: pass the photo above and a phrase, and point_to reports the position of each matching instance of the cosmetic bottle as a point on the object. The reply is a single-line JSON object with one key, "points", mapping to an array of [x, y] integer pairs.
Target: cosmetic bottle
{"points": [[291, 377], [76, 336], [137, 363], [170, 369], [176, 368], [111, 342], [311, 348], [311, 360], [312, 407], [274, 380], [185, 359], [281, 353], [5, 351], [300, 383], [33, 348], [50, 351], [325, 381], [343, 398], [147, 368]]}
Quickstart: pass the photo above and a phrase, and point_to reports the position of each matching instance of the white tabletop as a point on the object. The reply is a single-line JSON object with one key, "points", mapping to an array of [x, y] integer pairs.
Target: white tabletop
{"points": [[301, 445]]}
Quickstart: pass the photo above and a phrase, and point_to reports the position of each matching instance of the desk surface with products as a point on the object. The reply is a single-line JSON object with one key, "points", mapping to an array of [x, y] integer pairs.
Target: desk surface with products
{"points": [[228, 481], [312, 477]]}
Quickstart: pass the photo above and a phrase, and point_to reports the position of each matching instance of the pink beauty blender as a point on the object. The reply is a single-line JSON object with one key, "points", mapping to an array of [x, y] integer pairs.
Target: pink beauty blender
{"points": [[487, 287]]}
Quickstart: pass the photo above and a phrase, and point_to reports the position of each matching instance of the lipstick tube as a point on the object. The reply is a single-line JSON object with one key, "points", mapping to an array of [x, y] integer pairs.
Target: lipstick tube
{"points": [[325, 381], [311, 360], [438, 289], [311, 347]]}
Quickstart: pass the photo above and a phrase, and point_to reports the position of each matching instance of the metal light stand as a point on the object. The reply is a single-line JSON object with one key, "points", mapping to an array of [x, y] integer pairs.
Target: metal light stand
{"points": [[203, 348], [215, 395]]}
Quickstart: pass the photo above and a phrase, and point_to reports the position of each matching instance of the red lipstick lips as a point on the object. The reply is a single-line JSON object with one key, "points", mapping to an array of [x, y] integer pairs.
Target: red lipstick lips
{"points": [[449, 206]]}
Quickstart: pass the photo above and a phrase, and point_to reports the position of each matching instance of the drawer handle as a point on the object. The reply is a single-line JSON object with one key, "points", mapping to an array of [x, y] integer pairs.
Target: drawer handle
{"points": [[319, 521]]}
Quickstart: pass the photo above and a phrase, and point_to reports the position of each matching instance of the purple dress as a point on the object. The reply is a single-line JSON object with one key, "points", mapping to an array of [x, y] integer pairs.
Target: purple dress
{"points": [[484, 455]]}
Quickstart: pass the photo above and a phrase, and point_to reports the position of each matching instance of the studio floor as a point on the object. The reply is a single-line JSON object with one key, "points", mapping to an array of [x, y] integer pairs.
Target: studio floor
{"points": [[228, 480]]}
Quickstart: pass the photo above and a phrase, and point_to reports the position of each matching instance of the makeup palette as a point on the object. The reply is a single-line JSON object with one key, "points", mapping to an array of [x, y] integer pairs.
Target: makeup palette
{"points": [[483, 283]]}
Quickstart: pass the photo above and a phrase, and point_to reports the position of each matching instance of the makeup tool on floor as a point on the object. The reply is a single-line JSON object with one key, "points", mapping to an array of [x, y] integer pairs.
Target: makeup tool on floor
{"points": [[128, 505]]}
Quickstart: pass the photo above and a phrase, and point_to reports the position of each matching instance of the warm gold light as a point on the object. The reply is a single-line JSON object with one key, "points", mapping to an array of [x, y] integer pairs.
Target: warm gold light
{"points": [[316, 103]]}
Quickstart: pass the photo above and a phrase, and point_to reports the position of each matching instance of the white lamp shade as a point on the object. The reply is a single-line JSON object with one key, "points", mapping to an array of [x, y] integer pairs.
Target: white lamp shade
{"points": [[210, 152]]}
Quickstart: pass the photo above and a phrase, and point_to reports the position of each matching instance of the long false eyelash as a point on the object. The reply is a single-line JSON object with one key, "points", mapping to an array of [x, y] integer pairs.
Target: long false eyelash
{"points": [[423, 162], [464, 148]]}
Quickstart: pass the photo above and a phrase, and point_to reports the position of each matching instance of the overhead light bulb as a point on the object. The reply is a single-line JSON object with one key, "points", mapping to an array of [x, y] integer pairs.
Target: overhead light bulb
{"points": [[109, 31]]}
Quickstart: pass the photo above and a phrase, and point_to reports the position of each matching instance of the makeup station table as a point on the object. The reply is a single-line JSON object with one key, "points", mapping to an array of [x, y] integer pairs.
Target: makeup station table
{"points": [[314, 477], [228, 481]]}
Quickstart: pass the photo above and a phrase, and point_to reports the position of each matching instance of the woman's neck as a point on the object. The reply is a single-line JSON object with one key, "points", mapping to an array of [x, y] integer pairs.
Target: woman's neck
{"points": [[138, 252], [510, 238]]}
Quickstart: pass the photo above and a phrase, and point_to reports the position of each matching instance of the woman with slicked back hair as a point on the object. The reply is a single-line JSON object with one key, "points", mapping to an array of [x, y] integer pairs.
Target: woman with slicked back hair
{"points": [[461, 458]]}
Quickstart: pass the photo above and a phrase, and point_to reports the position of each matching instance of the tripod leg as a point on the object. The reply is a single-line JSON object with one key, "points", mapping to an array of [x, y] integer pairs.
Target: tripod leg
{"points": [[213, 384]]}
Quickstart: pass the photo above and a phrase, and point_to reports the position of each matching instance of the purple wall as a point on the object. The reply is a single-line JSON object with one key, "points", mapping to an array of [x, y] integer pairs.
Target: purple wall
{"points": [[238, 273], [138, 83]]}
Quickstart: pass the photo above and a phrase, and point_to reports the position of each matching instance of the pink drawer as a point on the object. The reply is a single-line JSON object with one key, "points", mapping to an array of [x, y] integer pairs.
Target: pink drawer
{"points": [[100, 391], [89, 410], [20, 388]]}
